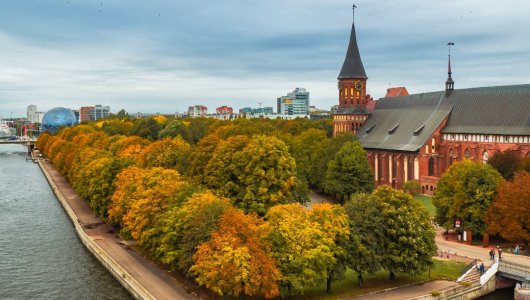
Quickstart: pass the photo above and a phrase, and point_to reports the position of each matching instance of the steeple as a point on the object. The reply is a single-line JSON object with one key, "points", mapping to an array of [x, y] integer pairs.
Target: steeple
{"points": [[352, 66], [449, 84]]}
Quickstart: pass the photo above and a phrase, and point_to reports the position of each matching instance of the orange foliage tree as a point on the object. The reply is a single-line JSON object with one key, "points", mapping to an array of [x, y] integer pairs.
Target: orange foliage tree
{"points": [[237, 260], [509, 214]]}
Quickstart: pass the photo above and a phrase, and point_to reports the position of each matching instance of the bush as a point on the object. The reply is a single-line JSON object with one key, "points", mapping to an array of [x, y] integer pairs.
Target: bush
{"points": [[412, 187]]}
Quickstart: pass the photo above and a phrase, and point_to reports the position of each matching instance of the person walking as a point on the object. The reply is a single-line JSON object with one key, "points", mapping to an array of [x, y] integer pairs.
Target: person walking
{"points": [[482, 269], [516, 250], [500, 254]]}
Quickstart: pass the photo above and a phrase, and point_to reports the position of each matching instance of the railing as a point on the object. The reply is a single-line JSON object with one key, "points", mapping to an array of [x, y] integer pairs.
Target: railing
{"points": [[514, 269]]}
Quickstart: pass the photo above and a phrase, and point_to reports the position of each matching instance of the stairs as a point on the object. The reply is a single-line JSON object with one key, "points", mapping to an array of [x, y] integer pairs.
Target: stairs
{"points": [[473, 276]]}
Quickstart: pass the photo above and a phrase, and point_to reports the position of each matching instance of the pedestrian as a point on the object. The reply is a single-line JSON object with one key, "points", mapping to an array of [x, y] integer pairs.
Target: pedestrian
{"points": [[492, 254], [500, 253], [516, 250], [482, 269]]}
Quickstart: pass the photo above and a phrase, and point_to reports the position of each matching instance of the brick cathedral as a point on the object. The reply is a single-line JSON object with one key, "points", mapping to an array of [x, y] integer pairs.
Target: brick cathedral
{"points": [[417, 137]]}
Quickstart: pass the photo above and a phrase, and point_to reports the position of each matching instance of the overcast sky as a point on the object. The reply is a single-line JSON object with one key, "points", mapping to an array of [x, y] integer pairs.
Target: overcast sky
{"points": [[163, 56]]}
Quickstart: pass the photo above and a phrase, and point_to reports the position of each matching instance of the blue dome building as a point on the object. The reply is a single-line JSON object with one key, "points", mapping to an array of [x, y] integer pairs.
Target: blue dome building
{"points": [[56, 118]]}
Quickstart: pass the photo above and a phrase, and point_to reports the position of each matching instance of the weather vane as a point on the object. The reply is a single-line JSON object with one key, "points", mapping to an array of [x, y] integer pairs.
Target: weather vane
{"points": [[354, 7], [449, 46]]}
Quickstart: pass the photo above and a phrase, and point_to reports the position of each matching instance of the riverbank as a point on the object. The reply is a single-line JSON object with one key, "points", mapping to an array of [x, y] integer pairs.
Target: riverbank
{"points": [[141, 277]]}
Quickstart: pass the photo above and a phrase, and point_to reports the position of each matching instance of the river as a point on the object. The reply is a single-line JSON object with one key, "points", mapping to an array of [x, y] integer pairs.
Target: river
{"points": [[40, 254]]}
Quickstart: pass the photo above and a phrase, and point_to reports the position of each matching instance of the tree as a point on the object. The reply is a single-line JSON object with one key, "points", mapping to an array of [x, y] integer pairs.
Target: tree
{"points": [[300, 246], [507, 163], [116, 126], [175, 128], [365, 244], [187, 226], [408, 244], [167, 153], [237, 260], [122, 114], [465, 192], [146, 127], [509, 214], [334, 222], [349, 172]]}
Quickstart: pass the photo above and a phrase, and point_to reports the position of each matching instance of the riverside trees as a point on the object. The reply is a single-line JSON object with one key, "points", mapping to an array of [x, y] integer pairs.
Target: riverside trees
{"points": [[223, 202]]}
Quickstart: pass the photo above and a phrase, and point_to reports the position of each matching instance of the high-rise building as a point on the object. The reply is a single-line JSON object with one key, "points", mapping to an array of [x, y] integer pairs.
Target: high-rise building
{"points": [[84, 113], [295, 103], [262, 111], [245, 110], [197, 111], [99, 112], [31, 111]]}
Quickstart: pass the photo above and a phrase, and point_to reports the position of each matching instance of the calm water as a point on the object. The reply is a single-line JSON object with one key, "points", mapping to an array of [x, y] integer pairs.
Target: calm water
{"points": [[502, 294], [40, 254]]}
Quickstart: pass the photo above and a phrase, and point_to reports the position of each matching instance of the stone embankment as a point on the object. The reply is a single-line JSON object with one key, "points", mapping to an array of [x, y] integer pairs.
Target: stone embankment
{"points": [[141, 277]]}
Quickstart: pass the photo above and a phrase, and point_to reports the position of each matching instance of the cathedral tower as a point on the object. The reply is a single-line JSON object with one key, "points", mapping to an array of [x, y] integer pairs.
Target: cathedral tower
{"points": [[354, 104]]}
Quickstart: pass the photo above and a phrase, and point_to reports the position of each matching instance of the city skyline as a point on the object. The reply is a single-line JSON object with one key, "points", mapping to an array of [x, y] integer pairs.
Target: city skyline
{"points": [[165, 56]]}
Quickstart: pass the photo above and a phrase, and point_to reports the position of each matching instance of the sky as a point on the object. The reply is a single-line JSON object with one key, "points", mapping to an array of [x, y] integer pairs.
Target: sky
{"points": [[163, 56]]}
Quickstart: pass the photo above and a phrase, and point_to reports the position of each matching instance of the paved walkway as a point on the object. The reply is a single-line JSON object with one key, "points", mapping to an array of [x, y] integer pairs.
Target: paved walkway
{"points": [[411, 291], [155, 280]]}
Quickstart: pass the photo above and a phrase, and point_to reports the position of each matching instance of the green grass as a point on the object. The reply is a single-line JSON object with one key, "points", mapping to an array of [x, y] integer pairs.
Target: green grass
{"points": [[348, 287], [427, 203]]}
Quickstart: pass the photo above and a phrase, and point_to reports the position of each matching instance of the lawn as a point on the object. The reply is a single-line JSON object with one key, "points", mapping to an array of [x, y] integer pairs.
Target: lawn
{"points": [[442, 269], [427, 203]]}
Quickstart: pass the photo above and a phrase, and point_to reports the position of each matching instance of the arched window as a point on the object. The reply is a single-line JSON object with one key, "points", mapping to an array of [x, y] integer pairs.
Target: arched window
{"points": [[416, 169], [485, 157], [410, 166], [467, 154], [451, 157], [431, 166]]}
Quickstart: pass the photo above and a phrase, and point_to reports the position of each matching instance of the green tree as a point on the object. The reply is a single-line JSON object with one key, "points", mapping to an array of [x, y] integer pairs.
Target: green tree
{"points": [[349, 172], [408, 244], [147, 128], [175, 128], [465, 192], [122, 114], [301, 247], [365, 245]]}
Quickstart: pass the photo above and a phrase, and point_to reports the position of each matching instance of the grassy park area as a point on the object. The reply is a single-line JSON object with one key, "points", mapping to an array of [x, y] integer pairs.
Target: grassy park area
{"points": [[427, 203], [347, 287]]}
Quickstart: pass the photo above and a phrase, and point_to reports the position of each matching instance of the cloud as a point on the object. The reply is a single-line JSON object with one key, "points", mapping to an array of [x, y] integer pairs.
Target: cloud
{"points": [[162, 56]]}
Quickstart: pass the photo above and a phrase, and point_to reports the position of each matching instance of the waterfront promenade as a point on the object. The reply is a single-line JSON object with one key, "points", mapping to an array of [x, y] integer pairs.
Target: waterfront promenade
{"points": [[157, 282]]}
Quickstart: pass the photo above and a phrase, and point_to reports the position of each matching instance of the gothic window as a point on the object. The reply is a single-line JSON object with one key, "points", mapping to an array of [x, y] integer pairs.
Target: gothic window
{"points": [[416, 169], [451, 155], [410, 168], [431, 166], [485, 157], [467, 154], [433, 143]]}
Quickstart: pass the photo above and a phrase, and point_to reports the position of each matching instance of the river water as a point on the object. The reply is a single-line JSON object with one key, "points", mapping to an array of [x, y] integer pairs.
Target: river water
{"points": [[40, 254]]}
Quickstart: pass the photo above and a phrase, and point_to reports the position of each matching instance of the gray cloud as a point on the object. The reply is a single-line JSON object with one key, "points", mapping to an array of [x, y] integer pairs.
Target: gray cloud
{"points": [[166, 55]]}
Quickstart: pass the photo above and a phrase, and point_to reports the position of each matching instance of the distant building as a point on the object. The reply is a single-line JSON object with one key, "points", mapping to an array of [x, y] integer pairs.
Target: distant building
{"points": [[99, 112], [262, 111], [197, 111], [396, 92], [76, 114], [93, 113], [224, 110], [32, 115], [245, 110], [295, 103], [84, 113]]}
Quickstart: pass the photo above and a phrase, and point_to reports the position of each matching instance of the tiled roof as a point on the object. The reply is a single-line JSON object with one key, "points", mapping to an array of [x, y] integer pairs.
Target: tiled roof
{"points": [[502, 110], [396, 91]]}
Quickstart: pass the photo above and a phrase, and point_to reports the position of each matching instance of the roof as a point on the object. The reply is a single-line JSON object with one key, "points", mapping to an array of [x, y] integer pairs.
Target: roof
{"points": [[352, 66], [502, 110], [396, 91], [403, 123]]}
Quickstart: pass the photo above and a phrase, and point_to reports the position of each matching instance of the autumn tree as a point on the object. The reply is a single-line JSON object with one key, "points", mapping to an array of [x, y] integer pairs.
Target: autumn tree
{"points": [[465, 192], [509, 214], [349, 172], [334, 223], [507, 163], [200, 156], [408, 244], [237, 260], [167, 153], [186, 226], [301, 247], [365, 244], [117, 126]]}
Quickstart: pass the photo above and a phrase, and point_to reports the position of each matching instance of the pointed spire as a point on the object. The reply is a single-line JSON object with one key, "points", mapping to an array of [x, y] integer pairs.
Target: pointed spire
{"points": [[352, 66], [449, 84]]}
